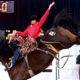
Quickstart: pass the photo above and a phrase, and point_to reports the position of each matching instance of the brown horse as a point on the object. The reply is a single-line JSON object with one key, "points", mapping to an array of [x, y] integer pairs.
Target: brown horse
{"points": [[40, 58]]}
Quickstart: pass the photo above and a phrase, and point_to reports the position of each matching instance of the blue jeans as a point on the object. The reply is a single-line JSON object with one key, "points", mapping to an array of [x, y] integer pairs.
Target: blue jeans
{"points": [[16, 55]]}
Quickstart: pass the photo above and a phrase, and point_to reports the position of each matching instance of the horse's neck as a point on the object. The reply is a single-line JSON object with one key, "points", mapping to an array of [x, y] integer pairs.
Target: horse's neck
{"points": [[67, 33], [70, 35]]}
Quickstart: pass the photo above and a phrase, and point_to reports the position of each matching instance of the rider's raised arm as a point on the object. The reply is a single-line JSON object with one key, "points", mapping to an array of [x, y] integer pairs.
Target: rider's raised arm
{"points": [[44, 17]]}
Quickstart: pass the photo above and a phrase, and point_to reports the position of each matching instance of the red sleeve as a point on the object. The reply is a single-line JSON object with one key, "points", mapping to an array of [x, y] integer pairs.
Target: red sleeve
{"points": [[44, 17], [24, 33]]}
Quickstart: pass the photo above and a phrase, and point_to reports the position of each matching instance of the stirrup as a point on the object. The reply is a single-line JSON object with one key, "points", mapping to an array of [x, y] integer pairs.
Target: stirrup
{"points": [[9, 65]]}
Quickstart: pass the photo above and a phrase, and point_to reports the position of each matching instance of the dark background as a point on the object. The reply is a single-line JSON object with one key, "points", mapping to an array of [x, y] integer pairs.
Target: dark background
{"points": [[26, 8]]}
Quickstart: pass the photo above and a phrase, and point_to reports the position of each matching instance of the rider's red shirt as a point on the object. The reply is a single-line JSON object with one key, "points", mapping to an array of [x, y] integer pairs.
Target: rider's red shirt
{"points": [[34, 30]]}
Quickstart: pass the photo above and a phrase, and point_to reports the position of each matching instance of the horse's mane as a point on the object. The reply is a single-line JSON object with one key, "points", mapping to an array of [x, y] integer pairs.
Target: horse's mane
{"points": [[64, 19]]}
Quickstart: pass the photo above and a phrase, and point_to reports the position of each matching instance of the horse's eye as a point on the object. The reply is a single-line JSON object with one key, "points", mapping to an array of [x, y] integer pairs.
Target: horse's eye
{"points": [[51, 33]]}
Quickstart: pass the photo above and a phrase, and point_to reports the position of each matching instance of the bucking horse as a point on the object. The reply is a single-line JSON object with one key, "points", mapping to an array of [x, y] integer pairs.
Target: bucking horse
{"points": [[40, 57]]}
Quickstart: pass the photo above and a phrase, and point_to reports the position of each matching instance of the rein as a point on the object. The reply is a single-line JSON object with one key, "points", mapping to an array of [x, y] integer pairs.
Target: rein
{"points": [[65, 61], [30, 71], [51, 47], [50, 42]]}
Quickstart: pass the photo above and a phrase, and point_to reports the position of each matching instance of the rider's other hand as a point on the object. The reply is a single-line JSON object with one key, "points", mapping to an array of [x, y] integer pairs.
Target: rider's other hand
{"points": [[14, 31]]}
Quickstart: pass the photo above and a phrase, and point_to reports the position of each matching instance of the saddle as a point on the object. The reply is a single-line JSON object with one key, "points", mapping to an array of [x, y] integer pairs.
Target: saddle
{"points": [[26, 44]]}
